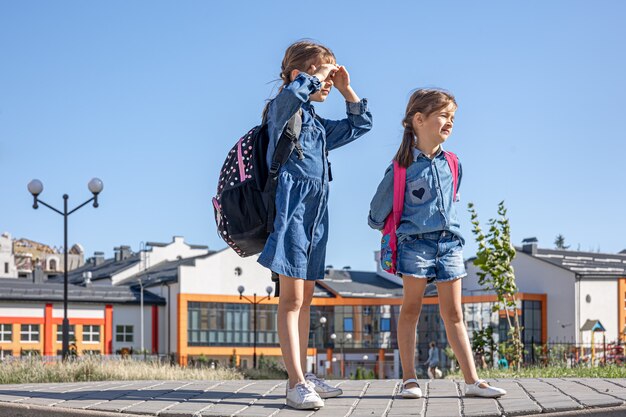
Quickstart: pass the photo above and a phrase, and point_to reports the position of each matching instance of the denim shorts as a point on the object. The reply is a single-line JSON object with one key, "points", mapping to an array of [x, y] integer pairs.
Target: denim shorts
{"points": [[437, 256]]}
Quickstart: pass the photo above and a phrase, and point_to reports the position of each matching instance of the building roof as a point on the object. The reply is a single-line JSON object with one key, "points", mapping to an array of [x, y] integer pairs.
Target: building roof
{"points": [[103, 271], [593, 325], [165, 272], [587, 264], [12, 289], [359, 284]]}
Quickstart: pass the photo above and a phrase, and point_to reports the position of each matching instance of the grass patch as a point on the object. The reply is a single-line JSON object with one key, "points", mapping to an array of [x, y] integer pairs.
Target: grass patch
{"points": [[608, 371], [34, 370]]}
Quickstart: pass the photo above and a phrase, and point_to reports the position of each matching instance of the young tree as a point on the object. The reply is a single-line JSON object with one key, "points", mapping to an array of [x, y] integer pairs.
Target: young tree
{"points": [[493, 258], [559, 242]]}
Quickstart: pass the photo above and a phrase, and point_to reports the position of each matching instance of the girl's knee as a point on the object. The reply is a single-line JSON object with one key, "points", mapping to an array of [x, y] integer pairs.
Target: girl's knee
{"points": [[291, 302], [452, 316], [411, 311]]}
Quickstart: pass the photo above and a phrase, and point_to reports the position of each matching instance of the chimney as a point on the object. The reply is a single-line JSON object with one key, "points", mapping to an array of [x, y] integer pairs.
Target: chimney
{"points": [[529, 245], [87, 278], [98, 258], [125, 252], [122, 252]]}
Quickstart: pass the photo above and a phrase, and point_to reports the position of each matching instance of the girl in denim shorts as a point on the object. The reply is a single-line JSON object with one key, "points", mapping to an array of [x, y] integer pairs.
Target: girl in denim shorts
{"points": [[430, 245], [296, 248]]}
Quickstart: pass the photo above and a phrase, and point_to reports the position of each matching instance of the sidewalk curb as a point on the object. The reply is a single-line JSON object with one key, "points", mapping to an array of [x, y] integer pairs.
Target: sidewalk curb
{"points": [[26, 410], [608, 411]]}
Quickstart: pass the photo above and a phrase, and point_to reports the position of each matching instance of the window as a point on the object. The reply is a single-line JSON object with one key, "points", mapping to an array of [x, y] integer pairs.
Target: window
{"points": [[91, 334], [385, 325], [6, 332], [60, 333], [30, 353], [219, 324], [124, 333], [53, 265], [6, 267], [5, 354], [348, 324], [29, 333]]}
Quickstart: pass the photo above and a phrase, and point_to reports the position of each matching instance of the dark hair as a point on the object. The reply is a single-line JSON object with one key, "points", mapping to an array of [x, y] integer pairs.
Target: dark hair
{"points": [[301, 55], [425, 101]]}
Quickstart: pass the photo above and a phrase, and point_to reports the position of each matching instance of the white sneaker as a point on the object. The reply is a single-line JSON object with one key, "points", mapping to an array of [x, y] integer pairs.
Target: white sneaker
{"points": [[414, 392], [475, 390], [303, 397], [322, 388]]}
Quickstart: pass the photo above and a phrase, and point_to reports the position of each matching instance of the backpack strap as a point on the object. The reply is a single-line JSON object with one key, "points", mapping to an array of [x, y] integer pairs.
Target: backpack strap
{"points": [[399, 185], [287, 142], [453, 163]]}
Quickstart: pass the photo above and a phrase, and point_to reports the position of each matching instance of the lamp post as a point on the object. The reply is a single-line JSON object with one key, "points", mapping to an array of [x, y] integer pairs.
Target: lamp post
{"points": [[35, 187], [322, 324], [254, 302], [347, 337]]}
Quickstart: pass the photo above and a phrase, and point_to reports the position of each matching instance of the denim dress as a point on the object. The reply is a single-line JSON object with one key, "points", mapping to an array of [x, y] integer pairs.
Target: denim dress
{"points": [[297, 246]]}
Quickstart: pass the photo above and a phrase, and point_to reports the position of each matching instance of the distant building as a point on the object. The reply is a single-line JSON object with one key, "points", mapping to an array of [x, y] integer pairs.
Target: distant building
{"points": [[7, 259], [578, 286], [20, 257], [193, 310]]}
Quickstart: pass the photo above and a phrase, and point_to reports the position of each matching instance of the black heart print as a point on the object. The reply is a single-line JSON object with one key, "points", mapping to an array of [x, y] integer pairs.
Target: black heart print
{"points": [[419, 193]]}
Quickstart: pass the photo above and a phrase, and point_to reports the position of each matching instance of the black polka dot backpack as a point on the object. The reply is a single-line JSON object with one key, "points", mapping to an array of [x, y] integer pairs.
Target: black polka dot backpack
{"points": [[245, 201]]}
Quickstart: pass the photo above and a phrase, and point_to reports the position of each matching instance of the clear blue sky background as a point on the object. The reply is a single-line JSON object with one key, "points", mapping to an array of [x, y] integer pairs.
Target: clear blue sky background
{"points": [[149, 96]]}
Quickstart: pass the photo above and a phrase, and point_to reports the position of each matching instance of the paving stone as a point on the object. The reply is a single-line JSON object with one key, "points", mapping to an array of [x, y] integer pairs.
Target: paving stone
{"points": [[583, 394], [361, 398], [549, 398]]}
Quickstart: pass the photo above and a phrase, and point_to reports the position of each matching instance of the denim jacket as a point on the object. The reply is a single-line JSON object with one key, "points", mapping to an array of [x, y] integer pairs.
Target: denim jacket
{"points": [[428, 205], [317, 134]]}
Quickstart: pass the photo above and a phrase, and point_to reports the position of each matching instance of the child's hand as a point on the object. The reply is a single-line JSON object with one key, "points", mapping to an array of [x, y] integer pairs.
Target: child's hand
{"points": [[341, 78], [323, 71]]}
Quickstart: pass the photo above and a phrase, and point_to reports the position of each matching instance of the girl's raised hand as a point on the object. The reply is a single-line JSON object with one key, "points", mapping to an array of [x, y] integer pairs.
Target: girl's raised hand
{"points": [[341, 78], [323, 71]]}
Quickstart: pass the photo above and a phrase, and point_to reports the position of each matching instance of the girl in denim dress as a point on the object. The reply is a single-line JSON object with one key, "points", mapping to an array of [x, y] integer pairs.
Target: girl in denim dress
{"points": [[430, 245], [296, 249]]}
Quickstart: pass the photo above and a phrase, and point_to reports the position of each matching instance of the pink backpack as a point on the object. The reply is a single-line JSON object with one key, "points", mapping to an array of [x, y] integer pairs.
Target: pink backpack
{"points": [[389, 241]]}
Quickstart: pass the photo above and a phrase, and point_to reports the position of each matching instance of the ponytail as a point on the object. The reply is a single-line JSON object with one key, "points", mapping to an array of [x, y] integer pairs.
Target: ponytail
{"points": [[404, 156]]}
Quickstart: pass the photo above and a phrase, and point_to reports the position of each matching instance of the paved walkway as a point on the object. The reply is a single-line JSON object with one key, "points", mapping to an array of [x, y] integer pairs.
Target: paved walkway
{"points": [[266, 398]]}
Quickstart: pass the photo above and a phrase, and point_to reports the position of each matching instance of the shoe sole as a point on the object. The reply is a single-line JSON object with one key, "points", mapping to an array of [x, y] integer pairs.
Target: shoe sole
{"points": [[303, 406], [332, 394], [484, 396], [411, 396]]}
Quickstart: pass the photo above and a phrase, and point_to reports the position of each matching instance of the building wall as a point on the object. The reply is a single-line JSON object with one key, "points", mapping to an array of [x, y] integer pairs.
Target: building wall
{"points": [[539, 277], [7, 260], [130, 315], [49, 318], [602, 305], [218, 274]]}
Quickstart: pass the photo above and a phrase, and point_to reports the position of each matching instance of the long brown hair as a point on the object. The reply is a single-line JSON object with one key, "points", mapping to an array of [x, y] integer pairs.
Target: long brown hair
{"points": [[425, 101], [301, 55]]}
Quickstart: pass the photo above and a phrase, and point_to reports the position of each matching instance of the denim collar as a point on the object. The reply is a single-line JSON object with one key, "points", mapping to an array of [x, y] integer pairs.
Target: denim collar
{"points": [[417, 153]]}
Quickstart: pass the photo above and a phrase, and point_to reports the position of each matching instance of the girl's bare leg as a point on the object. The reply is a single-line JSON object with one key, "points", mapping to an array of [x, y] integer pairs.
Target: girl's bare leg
{"points": [[413, 295], [289, 305], [304, 321]]}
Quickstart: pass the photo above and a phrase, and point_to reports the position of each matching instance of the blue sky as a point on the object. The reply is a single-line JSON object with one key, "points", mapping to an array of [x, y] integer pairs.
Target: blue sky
{"points": [[149, 96]]}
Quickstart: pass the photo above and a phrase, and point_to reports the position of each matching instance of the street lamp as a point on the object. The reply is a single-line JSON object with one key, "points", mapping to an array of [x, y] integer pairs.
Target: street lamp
{"points": [[322, 324], [347, 337], [35, 187], [254, 302]]}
